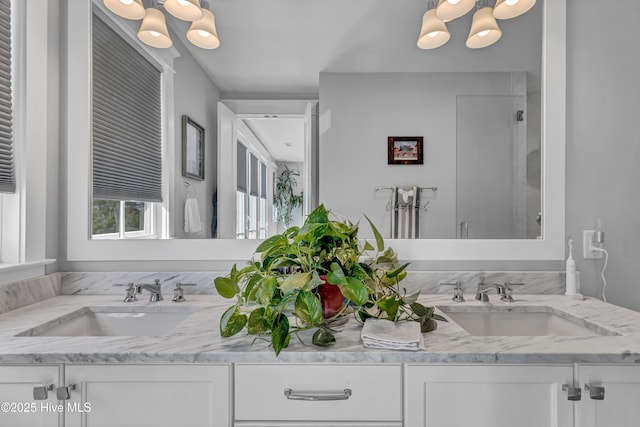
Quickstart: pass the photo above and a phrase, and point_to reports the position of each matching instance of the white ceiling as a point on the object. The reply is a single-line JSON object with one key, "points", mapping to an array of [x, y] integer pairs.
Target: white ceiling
{"points": [[281, 46], [283, 137]]}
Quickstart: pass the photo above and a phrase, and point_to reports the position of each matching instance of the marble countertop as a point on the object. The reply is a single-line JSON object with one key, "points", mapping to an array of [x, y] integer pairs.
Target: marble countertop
{"points": [[197, 340]]}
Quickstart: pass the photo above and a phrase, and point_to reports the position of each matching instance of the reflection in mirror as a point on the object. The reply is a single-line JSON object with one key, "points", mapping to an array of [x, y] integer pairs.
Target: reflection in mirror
{"points": [[486, 166], [477, 137], [265, 154]]}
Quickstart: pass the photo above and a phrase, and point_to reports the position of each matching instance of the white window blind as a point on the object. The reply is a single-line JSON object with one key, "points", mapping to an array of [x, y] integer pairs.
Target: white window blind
{"points": [[7, 166], [127, 120]]}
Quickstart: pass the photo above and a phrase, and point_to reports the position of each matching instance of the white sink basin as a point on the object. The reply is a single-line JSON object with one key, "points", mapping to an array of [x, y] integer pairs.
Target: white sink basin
{"points": [[114, 321], [520, 321]]}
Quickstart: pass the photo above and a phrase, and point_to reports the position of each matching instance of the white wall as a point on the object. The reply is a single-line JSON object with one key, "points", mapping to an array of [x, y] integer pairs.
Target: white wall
{"points": [[197, 97], [603, 142], [358, 111]]}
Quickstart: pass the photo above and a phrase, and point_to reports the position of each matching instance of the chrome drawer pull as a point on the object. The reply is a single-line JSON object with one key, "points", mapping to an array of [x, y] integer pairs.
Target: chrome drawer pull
{"points": [[317, 397], [595, 392]]}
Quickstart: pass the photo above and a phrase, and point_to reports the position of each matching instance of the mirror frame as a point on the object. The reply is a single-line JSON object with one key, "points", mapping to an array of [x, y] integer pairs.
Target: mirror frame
{"points": [[78, 127]]}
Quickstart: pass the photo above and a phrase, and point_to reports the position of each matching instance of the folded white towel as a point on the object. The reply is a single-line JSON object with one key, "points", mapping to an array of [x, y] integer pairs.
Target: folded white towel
{"points": [[384, 334], [192, 216]]}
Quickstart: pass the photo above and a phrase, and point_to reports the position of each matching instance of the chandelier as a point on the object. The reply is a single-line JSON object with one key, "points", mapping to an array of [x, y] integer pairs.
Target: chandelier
{"points": [[153, 30], [484, 27]]}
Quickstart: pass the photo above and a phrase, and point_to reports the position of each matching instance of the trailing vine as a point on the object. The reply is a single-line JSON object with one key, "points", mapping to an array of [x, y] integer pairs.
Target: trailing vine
{"points": [[284, 199]]}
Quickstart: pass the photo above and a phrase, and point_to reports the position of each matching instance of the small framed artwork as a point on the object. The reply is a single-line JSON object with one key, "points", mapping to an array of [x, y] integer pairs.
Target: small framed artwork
{"points": [[192, 149], [404, 150]]}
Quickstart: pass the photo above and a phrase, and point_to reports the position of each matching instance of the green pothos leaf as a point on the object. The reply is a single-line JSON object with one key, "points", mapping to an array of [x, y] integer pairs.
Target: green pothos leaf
{"points": [[377, 235], [308, 308], [280, 334], [294, 281], [226, 287], [232, 321], [323, 337], [258, 322]]}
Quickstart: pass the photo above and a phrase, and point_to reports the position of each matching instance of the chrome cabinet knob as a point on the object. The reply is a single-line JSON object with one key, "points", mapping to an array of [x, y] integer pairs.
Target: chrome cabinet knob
{"points": [[595, 392], [64, 393], [42, 392], [573, 393]]}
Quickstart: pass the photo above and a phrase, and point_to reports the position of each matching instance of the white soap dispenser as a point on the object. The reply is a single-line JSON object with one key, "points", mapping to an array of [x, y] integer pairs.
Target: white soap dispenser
{"points": [[572, 275]]}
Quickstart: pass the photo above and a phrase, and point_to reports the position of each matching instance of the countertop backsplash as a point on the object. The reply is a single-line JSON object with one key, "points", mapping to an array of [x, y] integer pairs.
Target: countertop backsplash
{"points": [[26, 292], [20, 294], [101, 283]]}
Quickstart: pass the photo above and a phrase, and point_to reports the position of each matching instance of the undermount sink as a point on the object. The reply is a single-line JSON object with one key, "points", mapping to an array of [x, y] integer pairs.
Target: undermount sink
{"points": [[520, 321], [114, 321]]}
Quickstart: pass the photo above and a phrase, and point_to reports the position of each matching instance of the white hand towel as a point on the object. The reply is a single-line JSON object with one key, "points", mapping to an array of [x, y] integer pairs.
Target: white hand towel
{"points": [[384, 334], [192, 216]]}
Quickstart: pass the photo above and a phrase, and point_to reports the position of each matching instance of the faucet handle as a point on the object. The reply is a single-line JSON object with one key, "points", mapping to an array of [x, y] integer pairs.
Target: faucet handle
{"points": [[457, 291], [131, 292], [178, 292], [507, 291]]}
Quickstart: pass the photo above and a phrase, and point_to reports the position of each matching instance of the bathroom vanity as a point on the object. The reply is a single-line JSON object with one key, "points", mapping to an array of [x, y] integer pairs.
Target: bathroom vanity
{"points": [[188, 375]]}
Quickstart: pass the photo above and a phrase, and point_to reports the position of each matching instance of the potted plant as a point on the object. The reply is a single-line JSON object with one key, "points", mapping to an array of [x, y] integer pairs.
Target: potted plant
{"points": [[291, 276]]}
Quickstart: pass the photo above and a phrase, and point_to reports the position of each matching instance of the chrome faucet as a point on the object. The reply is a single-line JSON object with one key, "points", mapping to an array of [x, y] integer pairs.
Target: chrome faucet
{"points": [[155, 289], [483, 289]]}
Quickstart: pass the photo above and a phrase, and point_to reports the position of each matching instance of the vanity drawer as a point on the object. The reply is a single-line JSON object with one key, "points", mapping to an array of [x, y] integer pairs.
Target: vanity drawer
{"points": [[352, 392]]}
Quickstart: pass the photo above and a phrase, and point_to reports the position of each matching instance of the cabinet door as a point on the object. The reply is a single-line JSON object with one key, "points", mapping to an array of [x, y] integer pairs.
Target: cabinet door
{"points": [[16, 396], [148, 395], [620, 406], [487, 396]]}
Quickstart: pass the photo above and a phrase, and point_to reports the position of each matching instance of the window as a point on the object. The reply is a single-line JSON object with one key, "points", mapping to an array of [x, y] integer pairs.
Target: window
{"points": [[251, 195], [7, 166], [115, 219], [127, 137]]}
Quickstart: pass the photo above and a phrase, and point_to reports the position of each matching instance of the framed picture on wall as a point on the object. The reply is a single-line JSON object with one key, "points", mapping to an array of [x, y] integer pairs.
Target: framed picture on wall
{"points": [[404, 150], [192, 149]]}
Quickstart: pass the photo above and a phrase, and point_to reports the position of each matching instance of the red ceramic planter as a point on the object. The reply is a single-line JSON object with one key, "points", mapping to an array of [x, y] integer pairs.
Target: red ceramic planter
{"points": [[330, 297]]}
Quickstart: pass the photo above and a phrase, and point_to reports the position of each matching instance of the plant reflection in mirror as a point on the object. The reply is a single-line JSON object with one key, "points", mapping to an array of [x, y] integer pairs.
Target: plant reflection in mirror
{"points": [[283, 285], [284, 199]]}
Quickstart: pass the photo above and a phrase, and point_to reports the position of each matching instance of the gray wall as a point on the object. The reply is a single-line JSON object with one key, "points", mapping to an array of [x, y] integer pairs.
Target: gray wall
{"points": [[603, 142], [358, 111], [197, 97]]}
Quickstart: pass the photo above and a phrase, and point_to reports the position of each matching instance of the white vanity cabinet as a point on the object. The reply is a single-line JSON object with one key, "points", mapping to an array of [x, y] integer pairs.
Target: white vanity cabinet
{"points": [[318, 394], [610, 396], [148, 395], [487, 395], [19, 409]]}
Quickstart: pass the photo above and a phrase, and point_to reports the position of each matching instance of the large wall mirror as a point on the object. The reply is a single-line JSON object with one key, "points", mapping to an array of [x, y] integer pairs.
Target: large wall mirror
{"points": [[449, 230]]}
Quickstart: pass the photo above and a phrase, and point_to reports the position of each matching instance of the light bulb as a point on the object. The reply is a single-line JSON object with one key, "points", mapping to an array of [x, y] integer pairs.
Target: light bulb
{"points": [[155, 33], [483, 33], [127, 2], [433, 34], [511, 2], [453, 1], [186, 3], [203, 33]]}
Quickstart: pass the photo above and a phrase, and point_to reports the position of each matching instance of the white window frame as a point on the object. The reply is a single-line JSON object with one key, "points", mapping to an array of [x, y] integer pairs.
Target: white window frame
{"points": [[148, 232]]}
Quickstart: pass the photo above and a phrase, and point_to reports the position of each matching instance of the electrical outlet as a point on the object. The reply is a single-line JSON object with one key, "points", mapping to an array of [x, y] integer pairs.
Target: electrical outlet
{"points": [[587, 244]]}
